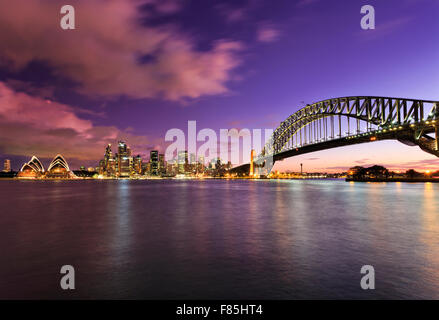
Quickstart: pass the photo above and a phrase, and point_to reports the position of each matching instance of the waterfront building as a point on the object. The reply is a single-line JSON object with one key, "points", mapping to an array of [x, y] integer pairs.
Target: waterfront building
{"points": [[137, 164], [59, 168], [124, 160], [144, 167], [182, 161], [109, 162], [101, 167], [154, 162], [7, 166], [200, 166], [193, 158], [162, 164], [32, 169]]}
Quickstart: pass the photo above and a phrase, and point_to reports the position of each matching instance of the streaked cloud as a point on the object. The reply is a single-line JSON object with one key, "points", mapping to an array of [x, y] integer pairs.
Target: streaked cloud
{"points": [[34, 125], [268, 33], [385, 28], [103, 55], [304, 3]]}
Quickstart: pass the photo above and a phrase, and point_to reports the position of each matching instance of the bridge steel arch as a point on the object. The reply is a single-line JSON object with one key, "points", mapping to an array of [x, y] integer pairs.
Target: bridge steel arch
{"points": [[322, 125]]}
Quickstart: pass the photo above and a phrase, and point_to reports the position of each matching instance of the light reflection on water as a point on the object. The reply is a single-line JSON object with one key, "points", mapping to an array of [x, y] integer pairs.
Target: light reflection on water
{"points": [[219, 239]]}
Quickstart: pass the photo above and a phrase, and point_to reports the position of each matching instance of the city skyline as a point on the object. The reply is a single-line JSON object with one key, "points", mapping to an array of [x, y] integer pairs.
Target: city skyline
{"points": [[252, 68], [241, 152]]}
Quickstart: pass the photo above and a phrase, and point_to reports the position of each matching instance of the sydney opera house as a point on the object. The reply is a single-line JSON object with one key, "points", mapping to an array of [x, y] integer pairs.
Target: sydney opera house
{"points": [[58, 169]]}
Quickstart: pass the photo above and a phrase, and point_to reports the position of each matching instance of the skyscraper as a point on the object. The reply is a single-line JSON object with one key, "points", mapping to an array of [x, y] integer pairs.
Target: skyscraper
{"points": [[109, 162], [7, 166], [162, 164], [200, 165], [154, 160], [124, 160], [182, 161], [138, 164], [108, 154]]}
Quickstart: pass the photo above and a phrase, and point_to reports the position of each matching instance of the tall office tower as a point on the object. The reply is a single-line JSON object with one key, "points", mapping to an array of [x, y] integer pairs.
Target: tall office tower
{"points": [[7, 166], [154, 161], [109, 162], [170, 167], [116, 164], [108, 154], [112, 167], [162, 163], [138, 164], [123, 160], [182, 161]]}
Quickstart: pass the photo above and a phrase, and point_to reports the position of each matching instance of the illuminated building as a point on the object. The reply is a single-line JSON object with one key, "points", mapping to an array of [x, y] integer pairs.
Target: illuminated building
{"points": [[109, 163], [138, 164], [154, 162], [212, 163], [182, 161], [101, 167], [32, 169], [200, 165], [7, 166], [162, 164], [124, 160], [193, 158], [192, 166], [144, 167], [59, 168]]}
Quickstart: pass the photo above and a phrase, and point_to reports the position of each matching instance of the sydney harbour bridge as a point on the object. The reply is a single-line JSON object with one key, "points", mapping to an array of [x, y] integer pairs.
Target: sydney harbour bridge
{"points": [[345, 121]]}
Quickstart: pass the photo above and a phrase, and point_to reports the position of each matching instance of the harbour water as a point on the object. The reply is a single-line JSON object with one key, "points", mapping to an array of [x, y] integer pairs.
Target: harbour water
{"points": [[218, 239]]}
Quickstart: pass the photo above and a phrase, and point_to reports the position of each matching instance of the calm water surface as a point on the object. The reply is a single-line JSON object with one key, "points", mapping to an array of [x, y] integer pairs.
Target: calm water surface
{"points": [[218, 239]]}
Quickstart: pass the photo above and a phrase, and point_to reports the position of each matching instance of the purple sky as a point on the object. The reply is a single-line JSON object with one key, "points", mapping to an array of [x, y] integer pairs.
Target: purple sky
{"points": [[134, 69]]}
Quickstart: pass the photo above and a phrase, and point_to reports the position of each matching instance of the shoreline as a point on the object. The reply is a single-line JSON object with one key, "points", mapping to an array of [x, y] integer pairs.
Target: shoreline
{"points": [[423, 180]]}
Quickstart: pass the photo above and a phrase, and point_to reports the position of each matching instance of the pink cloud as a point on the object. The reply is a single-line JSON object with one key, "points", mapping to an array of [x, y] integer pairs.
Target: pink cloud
{"points": [[268, 33], [102, 53], [36, 126], [304, 3]]}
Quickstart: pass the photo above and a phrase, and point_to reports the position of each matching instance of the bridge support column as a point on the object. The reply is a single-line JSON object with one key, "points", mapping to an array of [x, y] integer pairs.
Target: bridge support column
{"points": [[252, 164], [437, 137]]}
